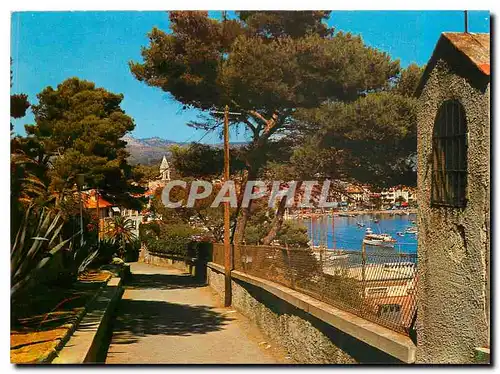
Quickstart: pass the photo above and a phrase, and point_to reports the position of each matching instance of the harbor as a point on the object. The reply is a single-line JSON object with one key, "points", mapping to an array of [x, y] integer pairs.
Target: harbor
{"points": [[335, 232]]}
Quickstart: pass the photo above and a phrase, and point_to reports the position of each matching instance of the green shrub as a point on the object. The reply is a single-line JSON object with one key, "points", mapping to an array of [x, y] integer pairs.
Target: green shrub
{"points": [[201, 250], [171, 239], [108, 248], [132, 250], [293, 234]]}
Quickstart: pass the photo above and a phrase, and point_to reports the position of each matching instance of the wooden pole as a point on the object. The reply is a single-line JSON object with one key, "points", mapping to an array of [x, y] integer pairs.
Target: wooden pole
{"points": [[333, 231], [81, 219], [363, 269], [227, 245], [98, 218], [312, 231]]}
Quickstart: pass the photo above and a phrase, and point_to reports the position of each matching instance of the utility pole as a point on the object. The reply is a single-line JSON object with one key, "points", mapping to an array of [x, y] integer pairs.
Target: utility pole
{"points": [[466, 19], [227, 245], [228, 248], [363, 267], [98, 219], [80, 180], [81, 220]]}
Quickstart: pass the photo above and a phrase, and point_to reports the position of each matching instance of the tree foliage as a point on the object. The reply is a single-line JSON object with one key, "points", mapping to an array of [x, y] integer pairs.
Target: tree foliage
{"points": [[264, 70], [265, 65], [370, 140], [276, 24], [203, 161], [19, 104], [78, 130], [145, 173]]}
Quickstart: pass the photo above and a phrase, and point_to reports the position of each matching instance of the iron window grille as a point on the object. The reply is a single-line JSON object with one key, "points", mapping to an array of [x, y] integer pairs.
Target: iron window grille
{"points": [[449, 156]]}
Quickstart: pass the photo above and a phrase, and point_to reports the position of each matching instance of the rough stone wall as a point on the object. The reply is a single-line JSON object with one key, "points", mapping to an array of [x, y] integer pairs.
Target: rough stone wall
{"points": [[149, 258], [453, 244], [307, 339], [216, 281], [287, 326]]}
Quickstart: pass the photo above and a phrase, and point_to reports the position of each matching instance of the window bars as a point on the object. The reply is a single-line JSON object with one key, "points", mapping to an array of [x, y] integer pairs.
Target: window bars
{"points": [[449, 156]]}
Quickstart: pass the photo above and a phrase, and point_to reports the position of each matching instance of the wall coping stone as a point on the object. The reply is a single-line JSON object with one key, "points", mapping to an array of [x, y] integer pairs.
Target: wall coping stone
{"points": [[216, 267], [384, 339], [84, 344]]}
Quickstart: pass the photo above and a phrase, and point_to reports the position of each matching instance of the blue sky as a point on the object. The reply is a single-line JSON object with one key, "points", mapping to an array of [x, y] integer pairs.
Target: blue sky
{"points": [[48, 47]]}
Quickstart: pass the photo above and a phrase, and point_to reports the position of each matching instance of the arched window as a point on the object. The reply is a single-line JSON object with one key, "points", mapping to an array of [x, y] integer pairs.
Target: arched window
{"points": [[449, 156]]}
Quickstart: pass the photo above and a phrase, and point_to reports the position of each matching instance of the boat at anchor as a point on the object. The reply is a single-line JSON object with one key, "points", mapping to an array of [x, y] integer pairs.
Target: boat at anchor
{"points": [[379, 240]]}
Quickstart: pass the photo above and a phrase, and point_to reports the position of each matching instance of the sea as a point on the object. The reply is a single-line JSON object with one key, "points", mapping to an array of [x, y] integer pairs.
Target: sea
{"points": [[345, 233]]}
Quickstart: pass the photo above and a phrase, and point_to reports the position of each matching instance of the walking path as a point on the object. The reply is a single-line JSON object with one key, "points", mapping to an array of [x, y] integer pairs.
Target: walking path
{"points": [[164, 317]]}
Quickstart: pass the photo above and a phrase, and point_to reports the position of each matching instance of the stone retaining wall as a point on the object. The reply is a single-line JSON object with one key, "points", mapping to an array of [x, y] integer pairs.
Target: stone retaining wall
{"points": [[88, 342], [215, 278], [163, 259], [307, 338]]}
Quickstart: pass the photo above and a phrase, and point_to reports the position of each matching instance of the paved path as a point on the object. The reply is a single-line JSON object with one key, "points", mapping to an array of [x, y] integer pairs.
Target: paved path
{"points": [[164, 317]]}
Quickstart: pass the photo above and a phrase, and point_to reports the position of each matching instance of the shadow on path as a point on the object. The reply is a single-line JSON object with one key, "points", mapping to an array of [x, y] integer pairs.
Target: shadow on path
{"points": [[162, 281], [138, 318]]}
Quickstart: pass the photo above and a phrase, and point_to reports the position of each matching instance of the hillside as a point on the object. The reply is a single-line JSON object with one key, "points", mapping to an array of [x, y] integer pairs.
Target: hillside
{"points": [[148, 151]]}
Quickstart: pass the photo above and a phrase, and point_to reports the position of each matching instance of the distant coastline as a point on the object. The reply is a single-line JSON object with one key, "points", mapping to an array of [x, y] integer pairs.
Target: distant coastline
{"points": [[357, 213]]}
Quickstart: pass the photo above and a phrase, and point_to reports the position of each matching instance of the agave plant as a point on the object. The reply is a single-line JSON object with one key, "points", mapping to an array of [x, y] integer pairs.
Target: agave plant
{"points": [[37, 241]]}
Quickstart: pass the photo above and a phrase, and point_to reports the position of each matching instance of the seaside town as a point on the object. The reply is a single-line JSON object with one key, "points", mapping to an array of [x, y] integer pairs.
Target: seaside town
{"points": [[304, 196]]}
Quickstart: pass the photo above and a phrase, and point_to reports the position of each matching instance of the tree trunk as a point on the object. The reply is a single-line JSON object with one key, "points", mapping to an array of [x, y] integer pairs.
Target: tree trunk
{"points": [[243, 212], [241, 224], [258, 143], [278, 218], [277, 222]]}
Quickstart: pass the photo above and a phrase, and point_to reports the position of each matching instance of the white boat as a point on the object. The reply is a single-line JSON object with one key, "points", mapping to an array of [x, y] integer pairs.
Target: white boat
{"points": [[378, 243], [411, 230], [379, 240]]}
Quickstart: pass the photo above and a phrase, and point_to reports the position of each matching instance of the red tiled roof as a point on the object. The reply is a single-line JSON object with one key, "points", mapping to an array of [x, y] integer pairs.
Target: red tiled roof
{"points": [[354, 189], [90, 201], [469, 51], [476, 47]]}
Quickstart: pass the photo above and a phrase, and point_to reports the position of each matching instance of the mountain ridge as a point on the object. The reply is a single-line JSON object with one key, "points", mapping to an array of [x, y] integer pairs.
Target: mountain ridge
{"points": [[151, 150]]}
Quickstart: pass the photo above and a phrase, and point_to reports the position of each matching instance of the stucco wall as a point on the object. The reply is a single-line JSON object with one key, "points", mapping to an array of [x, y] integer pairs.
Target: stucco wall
{"points": [[306, 338], [453, 244]]}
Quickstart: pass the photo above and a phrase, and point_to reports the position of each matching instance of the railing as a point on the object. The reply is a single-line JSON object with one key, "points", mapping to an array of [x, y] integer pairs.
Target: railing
{"points": [[378, 284], [218, 253]]}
